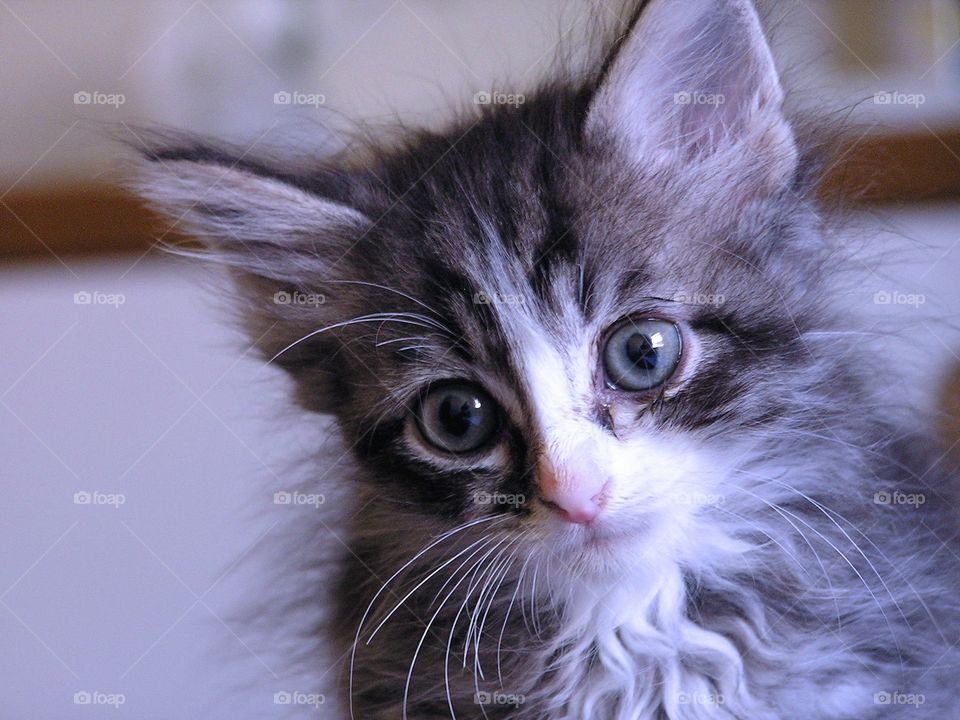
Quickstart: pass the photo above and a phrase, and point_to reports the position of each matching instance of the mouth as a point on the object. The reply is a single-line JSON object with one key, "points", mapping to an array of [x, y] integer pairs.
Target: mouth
{"points": [[604, 536]]}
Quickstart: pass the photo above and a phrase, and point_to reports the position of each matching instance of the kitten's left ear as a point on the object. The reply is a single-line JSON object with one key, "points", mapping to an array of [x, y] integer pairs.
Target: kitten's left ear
{"points": [[694, 80]]}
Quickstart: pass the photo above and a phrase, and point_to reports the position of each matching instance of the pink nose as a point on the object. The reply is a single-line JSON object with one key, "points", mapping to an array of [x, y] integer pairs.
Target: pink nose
{"points": [[578, 498]]}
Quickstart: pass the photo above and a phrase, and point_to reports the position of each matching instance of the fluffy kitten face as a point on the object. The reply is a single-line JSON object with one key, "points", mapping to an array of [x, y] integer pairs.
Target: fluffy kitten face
{"points": [[507, 254]]}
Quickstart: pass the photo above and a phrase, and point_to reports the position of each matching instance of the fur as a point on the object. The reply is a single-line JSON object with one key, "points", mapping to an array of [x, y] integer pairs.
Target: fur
{"points": [[742, 567]]}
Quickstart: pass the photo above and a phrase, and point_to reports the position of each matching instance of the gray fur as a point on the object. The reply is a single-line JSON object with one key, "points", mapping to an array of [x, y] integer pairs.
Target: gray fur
{"points": [[556, 211]]}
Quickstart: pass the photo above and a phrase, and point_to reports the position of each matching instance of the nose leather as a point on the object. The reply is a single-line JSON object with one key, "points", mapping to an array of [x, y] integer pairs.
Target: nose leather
{"points": [[575, 492]]}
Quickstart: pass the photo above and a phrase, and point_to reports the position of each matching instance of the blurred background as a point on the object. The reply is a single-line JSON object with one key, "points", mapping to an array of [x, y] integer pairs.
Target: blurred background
{"points": [[140, 448]]}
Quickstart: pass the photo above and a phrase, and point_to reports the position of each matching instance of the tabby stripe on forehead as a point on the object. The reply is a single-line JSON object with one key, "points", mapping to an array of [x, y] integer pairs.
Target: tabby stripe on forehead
{"points": [[478, 332], [559, 249]]}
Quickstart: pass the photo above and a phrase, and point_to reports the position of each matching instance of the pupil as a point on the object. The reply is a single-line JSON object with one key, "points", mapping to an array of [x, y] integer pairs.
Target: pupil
{"points": [[458, 415], [641, 352]]}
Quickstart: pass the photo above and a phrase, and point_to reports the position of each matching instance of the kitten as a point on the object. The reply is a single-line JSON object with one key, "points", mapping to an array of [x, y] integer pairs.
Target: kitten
{"points": [[616, 454]]}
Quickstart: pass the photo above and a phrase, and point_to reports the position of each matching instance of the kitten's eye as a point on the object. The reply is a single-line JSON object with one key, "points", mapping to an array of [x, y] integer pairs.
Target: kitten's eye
{"points": [[642, 354], [457, 417]]}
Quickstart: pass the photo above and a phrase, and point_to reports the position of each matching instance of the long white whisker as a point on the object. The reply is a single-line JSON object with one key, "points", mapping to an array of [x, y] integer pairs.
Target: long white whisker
{"points": [[423, 637], [856, 545], [401, 318], [356, 640], [847, 560], [482, 542], [495, 575], [533, 599], [829, 512], [477, 575], [506, 617], [383, 287], [782, 513], [502, 573]]}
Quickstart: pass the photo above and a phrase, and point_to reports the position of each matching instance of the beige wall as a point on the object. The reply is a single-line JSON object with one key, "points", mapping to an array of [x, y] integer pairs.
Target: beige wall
{"points": [[215, 65]]}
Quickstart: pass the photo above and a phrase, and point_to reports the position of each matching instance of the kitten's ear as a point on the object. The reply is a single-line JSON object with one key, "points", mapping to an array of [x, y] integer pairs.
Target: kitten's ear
{"points": [[280, 234], [693, 79], [254, 218]]}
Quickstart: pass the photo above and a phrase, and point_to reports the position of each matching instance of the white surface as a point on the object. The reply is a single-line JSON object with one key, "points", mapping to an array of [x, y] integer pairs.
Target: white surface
{"points": [[150, 400], [105, 398]]}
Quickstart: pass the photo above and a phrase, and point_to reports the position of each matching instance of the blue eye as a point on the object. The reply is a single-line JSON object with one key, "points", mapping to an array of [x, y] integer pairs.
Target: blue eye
{"points": [[642, 354], [457, 417]]}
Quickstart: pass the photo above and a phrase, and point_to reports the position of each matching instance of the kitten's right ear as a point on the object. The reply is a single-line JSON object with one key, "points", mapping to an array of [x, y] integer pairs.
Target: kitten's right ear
{"points": [[278, 234], [251, 217]]}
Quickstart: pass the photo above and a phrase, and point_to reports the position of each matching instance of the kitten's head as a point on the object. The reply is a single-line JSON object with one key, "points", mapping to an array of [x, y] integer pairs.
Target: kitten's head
{"points": [[581, 314]]}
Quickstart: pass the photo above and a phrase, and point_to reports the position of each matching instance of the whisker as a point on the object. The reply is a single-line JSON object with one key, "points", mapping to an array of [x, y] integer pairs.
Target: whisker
{"points": [[782, 513], [383, 287], [506, 617], [503, 572], [423, 637], [444, 536], [401, 318], [847, 560], [482, 542], [495, 566], [477, 575]]}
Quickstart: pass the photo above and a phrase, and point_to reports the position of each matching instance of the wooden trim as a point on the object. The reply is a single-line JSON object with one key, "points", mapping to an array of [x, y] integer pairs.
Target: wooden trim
{"points": [[898, 168], [71, 221], [101, 219]]}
